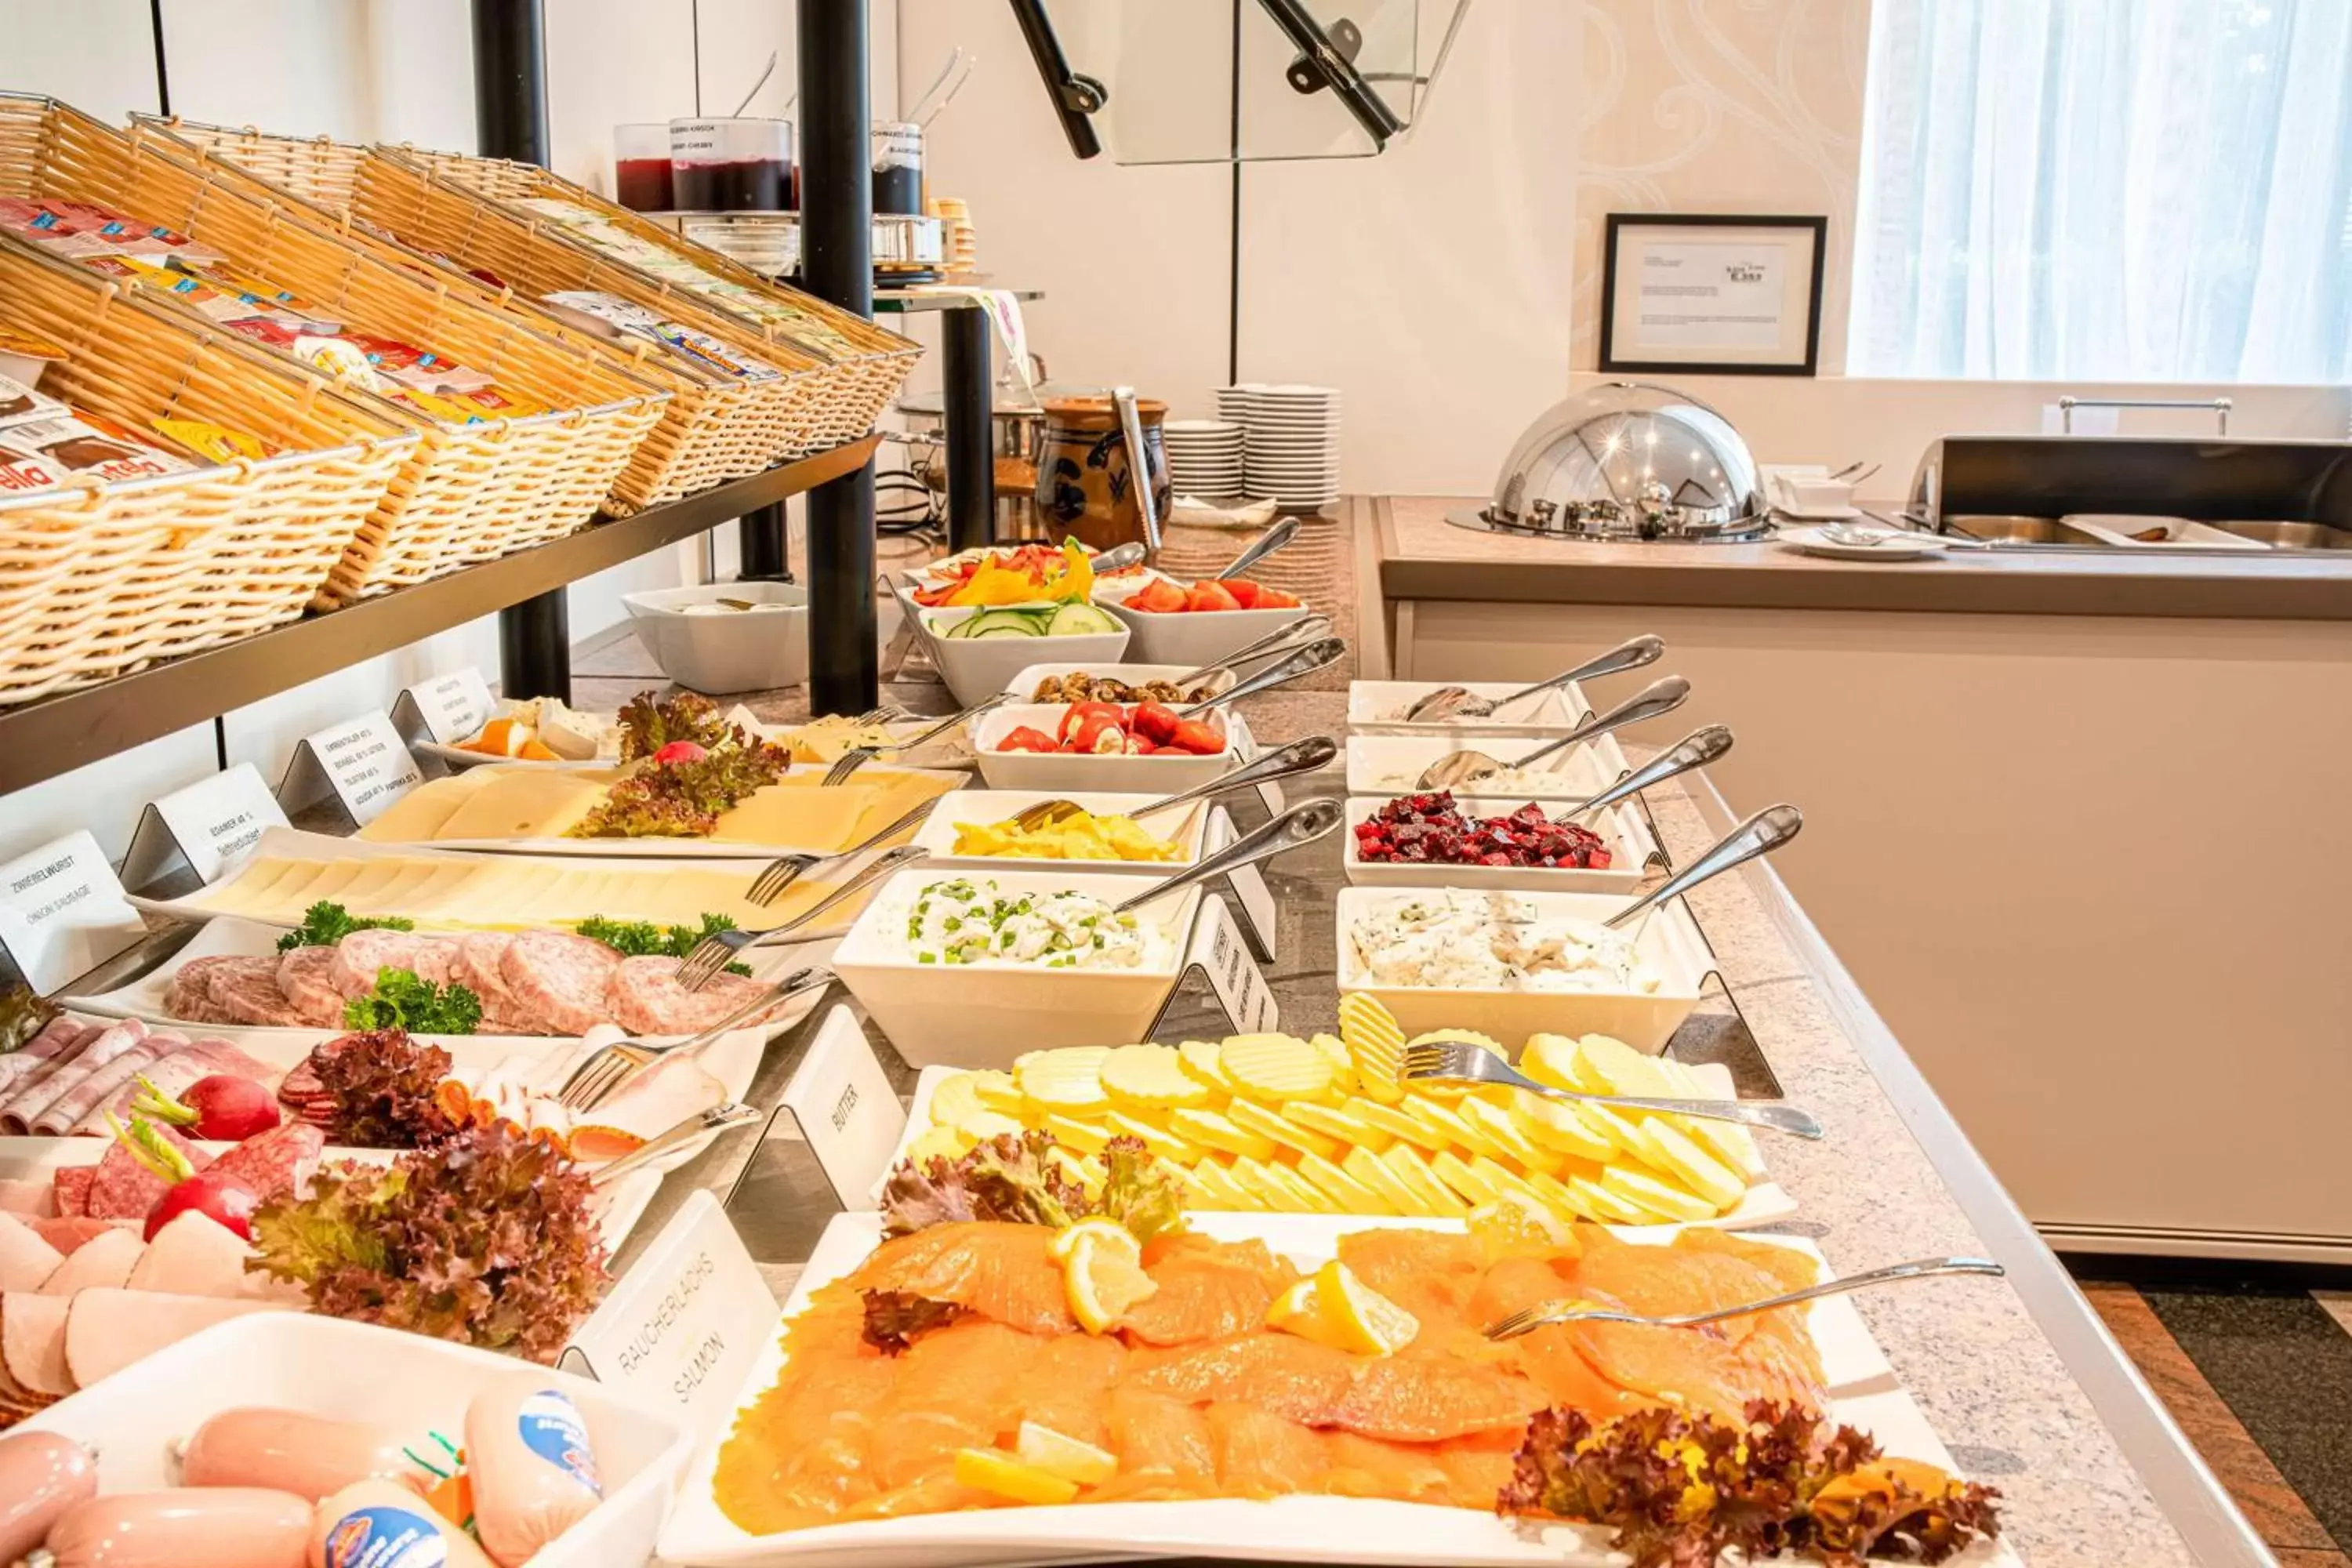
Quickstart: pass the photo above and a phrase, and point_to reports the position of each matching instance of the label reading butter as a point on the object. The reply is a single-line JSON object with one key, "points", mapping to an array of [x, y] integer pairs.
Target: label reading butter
{"points": [[549, 1426]]}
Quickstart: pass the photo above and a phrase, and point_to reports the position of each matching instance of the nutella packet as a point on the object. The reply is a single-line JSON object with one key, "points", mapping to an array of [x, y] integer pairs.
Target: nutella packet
{"points": [[35, 454], [24, 357], [20, 402], [618, 317], [213, 443]]}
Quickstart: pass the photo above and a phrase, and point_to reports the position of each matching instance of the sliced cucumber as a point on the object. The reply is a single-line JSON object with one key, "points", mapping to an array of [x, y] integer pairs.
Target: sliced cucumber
{"points": [[1006, 624], [1079, 620]]}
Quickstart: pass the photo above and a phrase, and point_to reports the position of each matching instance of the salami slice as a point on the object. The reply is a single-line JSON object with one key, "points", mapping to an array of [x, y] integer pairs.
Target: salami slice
{"points": [[275, 1163], [306, 975], [69, 1185], [126, 1189], [244, 991], [190, 995], [559, 982], [647, 998]]}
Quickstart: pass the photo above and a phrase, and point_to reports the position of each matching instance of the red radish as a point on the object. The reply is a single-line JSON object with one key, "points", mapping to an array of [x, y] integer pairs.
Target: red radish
{"points": [[229, 1107], [216, 1197], [679, 752]]}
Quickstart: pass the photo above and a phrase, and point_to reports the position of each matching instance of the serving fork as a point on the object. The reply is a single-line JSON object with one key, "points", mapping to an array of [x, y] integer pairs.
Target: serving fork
{"points": [[716, 951], [1301, 757], [1459, 702], [609, 1067], [857, 758], [1457, 1061], [1544, 1313], [785, 869]]}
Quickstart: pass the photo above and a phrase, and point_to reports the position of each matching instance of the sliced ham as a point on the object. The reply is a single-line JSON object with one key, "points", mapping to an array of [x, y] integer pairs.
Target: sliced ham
{"points": [[32, 1342], [36, 1199], [110, 1330], [125, 1188], [174, 1074], [70, 1236], [275, 1162], [70, 1190], [60, 1038], [31, 1099], [651, 1103], [196, 1256], [26, 1260], [103, 1261], [69, 1107]]}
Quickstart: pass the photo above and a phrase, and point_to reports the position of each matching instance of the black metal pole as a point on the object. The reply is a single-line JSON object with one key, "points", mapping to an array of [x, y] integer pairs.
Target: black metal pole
{"points": [[966, 385], [763, 551], [837, 264], [510, 119]]}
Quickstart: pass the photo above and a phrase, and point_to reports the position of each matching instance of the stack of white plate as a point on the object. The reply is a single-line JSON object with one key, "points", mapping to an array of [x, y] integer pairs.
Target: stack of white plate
{"points": [[1204, 457], [1291, 449]]}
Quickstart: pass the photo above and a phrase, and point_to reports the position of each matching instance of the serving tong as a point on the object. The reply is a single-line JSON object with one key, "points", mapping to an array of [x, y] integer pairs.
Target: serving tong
{"points": [[609, 1067], [1456, 769], [1458, 1061], [1460, 702], [718, 950], [857, 758], [1273, 539], [1547, 1312], [1302, 756]]}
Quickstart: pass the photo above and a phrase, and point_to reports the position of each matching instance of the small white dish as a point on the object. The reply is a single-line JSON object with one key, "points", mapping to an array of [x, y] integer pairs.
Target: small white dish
{"points": [[1376, 708], [1189, 827], [726, 650], [1386, 765], [1190, 638], [1065, 772], [1913, 547], [976, 668]]}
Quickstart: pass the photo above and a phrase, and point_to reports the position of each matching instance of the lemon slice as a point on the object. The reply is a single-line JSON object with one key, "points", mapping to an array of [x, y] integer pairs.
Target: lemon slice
{"points": [[1059, 1454], [1102, 1272], [1001, 1475], [1511, 1227], [1333, 1307]]}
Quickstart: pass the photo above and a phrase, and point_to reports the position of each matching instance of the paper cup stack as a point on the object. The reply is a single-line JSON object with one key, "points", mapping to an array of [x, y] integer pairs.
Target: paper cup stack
{"points": [[1291, 444], [1204, 457]]}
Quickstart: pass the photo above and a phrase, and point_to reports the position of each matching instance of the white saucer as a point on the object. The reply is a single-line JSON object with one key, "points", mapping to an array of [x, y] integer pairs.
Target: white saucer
{"points": [[1810, 540], [1825, 514]]}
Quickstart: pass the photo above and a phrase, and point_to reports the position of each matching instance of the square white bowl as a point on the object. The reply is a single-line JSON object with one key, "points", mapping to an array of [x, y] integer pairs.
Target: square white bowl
{"points": [[1620, 828], [1026, 682], [1190, 638], [975, 668], [356, 1371], [1386, 765], [1066, 772], [1554, 712], [982, 1015], [1670, 943], [745, 651], [1186, 827]]}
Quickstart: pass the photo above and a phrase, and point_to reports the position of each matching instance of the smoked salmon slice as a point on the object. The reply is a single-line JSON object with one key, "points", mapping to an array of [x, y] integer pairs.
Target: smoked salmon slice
{"points": [[1260, 1455], [999, 1271], [1207, 1291]]}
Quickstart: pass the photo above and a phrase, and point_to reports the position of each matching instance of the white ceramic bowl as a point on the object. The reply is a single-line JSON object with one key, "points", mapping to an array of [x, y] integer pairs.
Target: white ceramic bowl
{"points": [[1065, 773], [747, 650], [1371, 705], [1190, 638], [1026, 682], [356, 1371], [975, 668], [1386, 765], [1670, 943], [981, 1015], [1184, 825], [1620, 828]]}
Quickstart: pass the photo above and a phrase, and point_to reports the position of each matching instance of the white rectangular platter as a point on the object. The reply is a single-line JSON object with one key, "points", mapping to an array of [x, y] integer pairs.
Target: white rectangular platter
{"points": [[1374, 707], [1767, 1201], [1861, 1386], [947, 751], [1628, 838]]}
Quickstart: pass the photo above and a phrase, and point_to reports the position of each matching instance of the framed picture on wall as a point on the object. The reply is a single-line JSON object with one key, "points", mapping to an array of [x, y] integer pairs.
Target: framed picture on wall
{"points": [[1729, 294]]}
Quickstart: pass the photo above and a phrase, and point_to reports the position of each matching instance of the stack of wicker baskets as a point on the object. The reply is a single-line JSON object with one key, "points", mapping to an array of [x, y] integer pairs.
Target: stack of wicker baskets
{"points": [[465, 213], [98, 580]]}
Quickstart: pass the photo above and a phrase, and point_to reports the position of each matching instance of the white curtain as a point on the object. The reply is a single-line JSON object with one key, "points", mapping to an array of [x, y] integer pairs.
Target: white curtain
{"points": [[2127, 189]]}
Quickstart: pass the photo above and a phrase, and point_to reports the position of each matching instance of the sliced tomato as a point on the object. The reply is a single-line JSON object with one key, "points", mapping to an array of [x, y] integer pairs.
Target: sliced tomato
{"points": [[1276, 599], [1159, 596], [1244, 591], [1210, 595]]}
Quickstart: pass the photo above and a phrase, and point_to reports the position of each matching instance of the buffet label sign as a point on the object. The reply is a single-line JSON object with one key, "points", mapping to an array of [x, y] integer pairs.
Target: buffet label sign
{"points": [[683, 1327], [447, 707], [62, 911], [363, 760], [1218, 954], [208, 825], [841, 1100]]}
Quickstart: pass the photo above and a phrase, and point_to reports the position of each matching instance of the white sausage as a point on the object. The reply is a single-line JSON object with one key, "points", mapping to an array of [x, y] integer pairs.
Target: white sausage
{"points": [[293, 1451], [532, 1468], [191, 1527], [41, 1476], [382, 1524]]}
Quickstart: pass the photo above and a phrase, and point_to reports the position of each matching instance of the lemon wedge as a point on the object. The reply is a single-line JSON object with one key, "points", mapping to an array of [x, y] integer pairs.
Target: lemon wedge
{"points": [[986, 1471], [1333, 1307], [1059, 1454], [1511, 1227], [1102, 1272]]}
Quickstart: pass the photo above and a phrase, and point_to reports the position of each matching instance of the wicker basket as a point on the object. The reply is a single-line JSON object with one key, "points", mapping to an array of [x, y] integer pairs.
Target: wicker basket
{"points": [[715, 428], [471, 491], [97, 580], [459, 210]]}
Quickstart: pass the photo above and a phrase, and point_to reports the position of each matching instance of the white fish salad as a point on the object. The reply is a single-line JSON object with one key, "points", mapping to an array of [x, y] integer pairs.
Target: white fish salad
{"points": [[1492, 941], [967, 922], [1521, 783]]}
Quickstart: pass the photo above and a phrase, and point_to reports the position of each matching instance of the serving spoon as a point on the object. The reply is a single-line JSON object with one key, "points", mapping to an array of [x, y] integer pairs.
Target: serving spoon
{"points": [[1302, 756], [1456, 769], [1303, 823], [1275, 538], [1459, 702]]}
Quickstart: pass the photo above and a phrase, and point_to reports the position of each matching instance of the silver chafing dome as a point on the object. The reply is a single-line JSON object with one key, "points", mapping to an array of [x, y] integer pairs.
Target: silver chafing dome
{"points": [[1628, 459]]}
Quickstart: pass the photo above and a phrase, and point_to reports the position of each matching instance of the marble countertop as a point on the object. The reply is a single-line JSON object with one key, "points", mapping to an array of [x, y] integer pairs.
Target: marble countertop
{"points": [[1423, 557]]}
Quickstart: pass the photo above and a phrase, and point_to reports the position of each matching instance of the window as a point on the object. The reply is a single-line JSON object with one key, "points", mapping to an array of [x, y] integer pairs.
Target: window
{"points": [[2125, 190]]}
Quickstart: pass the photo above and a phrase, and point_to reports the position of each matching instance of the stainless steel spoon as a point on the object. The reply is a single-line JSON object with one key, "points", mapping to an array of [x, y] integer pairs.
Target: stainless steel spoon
{"points": [[1302, 823], [1456, 769], [1282, 639], [1275, 538], [1760, 834], [1304, 661], [1694, 750], [1457, 702], [1301, 757]]}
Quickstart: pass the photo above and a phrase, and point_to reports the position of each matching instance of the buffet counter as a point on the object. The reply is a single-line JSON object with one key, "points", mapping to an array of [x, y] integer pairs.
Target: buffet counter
{"points": [[2037, 789]]}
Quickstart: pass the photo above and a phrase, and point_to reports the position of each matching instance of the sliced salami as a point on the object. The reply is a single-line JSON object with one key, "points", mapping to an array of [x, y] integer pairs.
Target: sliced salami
{"points": [[559, 982], [69, 1187], [126, 1189], [275, 1163], [306, 975], [647, 998]]}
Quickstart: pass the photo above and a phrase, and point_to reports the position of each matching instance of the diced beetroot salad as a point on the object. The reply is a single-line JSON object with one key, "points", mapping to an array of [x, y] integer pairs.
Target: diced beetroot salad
{"points": [[1430, 827]]}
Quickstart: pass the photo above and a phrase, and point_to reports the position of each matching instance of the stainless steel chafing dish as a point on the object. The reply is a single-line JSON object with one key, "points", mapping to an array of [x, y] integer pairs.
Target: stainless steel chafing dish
{"points": [[1627, 460]]}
